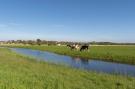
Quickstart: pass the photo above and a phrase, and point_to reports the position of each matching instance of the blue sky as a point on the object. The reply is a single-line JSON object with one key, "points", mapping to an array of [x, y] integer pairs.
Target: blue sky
{"points": [[68, 20]]}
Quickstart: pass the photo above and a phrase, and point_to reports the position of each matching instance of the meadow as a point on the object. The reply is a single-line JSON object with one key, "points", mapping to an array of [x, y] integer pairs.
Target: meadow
{"points": [[21, 72], [114, 53]]}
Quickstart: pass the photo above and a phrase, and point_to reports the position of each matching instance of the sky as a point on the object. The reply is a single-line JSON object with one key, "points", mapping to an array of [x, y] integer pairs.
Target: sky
{"points": [[68, 20]]}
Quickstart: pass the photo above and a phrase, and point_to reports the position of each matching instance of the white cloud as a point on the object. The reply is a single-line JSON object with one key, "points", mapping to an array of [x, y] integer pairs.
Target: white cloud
{"points": [[58, 25], [9, 25], [15, 24], [3, 25]]}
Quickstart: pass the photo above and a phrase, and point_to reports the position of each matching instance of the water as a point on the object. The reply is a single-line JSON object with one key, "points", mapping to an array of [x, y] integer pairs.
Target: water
{"points": [[92, 65]]}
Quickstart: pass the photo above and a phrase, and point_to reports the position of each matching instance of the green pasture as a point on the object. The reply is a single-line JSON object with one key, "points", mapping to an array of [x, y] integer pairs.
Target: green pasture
{"points": [[20, 72]]}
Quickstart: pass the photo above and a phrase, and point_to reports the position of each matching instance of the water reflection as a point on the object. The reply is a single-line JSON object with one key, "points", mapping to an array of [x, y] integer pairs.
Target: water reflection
{"points": [[76, 62]]}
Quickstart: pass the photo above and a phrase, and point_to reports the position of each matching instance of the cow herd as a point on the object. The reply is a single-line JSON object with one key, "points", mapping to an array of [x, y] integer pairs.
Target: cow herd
{"points": [[78, 47]]}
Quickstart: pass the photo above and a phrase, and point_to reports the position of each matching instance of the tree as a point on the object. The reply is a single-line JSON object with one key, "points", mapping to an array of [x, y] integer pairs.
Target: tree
{"points": [[38, 41]]}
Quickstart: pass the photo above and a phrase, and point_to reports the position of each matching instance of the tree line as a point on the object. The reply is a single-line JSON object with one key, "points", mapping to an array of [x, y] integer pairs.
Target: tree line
{"points": [[45, 42]]}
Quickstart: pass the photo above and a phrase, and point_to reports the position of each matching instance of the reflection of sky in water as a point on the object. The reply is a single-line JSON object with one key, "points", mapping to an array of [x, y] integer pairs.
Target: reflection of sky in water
{"points": [[94, 65]]}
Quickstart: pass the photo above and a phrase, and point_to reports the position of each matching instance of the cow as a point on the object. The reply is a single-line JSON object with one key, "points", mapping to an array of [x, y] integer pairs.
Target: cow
{"points": [[84, 47], [78, 47], [75, 46]]}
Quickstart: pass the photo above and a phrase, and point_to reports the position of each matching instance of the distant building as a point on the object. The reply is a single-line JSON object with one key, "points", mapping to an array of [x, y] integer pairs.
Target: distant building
{"points": [[2, 42], [59, 44]]}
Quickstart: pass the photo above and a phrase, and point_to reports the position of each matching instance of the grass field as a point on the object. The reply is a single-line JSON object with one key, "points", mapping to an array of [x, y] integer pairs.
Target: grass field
{"points": [[19, 72], [122, 54]]}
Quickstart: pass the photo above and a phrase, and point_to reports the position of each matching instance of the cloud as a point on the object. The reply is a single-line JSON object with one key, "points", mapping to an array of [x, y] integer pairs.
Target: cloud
{"points": [[9, 25], [15, 24], [58, 25], [3, 25]]}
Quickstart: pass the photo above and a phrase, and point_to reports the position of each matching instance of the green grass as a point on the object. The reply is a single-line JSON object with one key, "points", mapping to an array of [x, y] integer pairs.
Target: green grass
{"points": [[122, 54], [19, 72]]}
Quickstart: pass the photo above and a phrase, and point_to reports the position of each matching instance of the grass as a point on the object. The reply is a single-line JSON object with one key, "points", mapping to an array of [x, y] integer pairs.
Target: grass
{"points": [[19, 72], [122, 54]]}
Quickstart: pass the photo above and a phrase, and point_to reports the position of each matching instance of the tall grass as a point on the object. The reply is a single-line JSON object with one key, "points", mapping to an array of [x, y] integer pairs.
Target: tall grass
{"points": [[19, 72]]}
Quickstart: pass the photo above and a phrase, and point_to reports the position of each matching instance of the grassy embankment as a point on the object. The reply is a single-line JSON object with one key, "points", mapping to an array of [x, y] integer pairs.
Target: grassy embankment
{"points": [[122, 54], [19, 72]]}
